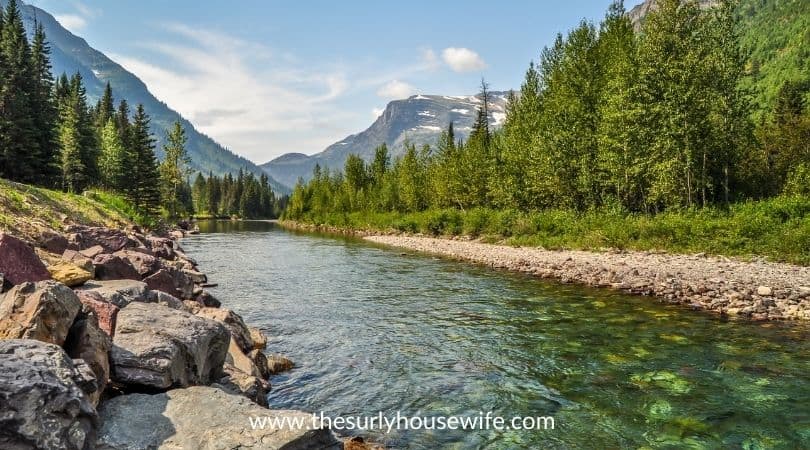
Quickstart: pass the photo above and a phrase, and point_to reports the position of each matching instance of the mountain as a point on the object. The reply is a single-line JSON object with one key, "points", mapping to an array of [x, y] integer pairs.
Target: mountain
{"points": [[640, 11], [418, 119], [70, 53]]}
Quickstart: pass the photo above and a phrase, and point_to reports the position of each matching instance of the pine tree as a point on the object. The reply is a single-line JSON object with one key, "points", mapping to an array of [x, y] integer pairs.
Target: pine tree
{"points": [[19, 149], [87, 132], [144, 192], [105, 108], [44, 111], [174, 169]]}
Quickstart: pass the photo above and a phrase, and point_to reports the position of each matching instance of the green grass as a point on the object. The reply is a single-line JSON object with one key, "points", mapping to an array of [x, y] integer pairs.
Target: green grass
{"points": [[777, 229], [26, 210]]}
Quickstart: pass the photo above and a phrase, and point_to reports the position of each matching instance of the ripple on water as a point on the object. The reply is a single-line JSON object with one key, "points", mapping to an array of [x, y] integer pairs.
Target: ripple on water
{"points": [[373, 330]]}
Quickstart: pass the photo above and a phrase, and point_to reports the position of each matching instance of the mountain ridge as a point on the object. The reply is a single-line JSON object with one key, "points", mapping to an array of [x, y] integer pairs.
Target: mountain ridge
{"points": [[418, 119]]}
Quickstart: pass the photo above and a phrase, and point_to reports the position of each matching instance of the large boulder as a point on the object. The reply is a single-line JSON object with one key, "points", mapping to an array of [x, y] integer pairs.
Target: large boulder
{"points": [[106, 313], [157, 347], [43, 311], [114, 267], [144, 263], [83, 237], [120, 292], [69, 274], [41, 402], [171, 281], [87, 341], [239, 330], [205, 418], [19, 262]]}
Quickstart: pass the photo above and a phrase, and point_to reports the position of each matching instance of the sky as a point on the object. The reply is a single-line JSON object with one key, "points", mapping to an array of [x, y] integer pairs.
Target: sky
{"points": [[266, 78]]}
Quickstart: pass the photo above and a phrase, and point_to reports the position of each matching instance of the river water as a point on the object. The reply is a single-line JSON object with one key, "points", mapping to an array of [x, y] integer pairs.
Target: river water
{"points": [[377, 330]]}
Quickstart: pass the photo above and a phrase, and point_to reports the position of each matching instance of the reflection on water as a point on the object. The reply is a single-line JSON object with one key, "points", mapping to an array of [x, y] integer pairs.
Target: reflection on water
{"points": [[373, 330]]}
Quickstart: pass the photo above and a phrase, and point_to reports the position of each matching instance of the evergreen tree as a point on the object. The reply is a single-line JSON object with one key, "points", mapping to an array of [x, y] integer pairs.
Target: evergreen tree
{"points": [[174, 169], [45, 114], [144, 190]]}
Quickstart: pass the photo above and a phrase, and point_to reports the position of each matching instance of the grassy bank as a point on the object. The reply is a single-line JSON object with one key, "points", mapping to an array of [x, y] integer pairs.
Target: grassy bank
{"points": [[778, 229], [27, 210]]}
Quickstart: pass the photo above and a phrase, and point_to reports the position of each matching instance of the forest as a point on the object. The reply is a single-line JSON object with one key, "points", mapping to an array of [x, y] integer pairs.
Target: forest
{"points": [[51, 136], [615, 138]]}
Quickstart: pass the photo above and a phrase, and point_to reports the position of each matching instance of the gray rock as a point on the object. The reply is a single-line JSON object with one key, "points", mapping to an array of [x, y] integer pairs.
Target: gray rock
{"points": [[41, 402], [202, 418], [120, 292], [88, 342], [171, 281], [43, 311], [52, 242], [238, 382], [114, 267], [159, 347]]}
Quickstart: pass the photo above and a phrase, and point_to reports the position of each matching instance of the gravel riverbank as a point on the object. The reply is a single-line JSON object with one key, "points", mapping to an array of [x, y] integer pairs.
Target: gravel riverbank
{"points": [[754, 290]]}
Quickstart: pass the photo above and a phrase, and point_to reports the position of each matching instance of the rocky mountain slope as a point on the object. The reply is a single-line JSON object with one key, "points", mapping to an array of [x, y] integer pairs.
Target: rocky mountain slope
{"points": [[70, 53], [418, 119]]}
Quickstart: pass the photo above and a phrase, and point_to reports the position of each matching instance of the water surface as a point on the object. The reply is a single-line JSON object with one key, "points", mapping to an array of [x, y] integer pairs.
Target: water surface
{"points": [[372, 329]]}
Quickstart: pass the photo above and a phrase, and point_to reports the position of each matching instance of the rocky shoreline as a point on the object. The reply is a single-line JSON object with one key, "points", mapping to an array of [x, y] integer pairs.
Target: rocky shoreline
{"points": [[110, 340], [749, 290]]}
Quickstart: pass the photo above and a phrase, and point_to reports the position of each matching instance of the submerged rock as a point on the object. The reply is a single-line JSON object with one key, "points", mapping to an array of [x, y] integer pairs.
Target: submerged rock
{"points": [[158, 347], [43, 311], [19, 262], [41, 402], [277, 364], [203, 418]]}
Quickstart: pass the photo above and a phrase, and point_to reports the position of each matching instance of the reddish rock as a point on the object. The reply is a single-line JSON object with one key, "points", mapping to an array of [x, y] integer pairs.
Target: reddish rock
{"points": [[104, 311], [143, 263], [86, 237], [43, 311], [113, 267], [171, 281], [92, 252], [19, 263]]}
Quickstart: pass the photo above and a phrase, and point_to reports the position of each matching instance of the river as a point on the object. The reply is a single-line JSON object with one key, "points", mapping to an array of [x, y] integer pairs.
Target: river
{"points": [[374, 329]]}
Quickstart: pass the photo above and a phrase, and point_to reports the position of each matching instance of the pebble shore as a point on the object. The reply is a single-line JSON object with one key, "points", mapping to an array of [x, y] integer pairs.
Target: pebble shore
{"points": [[754, 290]]}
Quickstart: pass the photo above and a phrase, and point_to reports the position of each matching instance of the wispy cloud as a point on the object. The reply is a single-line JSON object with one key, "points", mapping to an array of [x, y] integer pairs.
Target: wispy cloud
{"points": [[72, 22], [462, 59], [213, 80]]}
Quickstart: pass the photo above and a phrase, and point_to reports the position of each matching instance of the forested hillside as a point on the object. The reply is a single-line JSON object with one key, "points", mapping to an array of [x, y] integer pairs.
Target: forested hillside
{"points": [[608, 120]]}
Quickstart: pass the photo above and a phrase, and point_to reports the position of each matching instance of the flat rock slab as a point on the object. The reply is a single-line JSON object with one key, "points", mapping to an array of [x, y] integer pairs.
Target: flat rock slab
{"points": [[120, 292], [41, 402], [202, 418], [157, 347]]}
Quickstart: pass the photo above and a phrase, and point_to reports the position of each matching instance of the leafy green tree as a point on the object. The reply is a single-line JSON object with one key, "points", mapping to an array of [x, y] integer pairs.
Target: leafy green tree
{"points": [[113, 159], [174, 170]]}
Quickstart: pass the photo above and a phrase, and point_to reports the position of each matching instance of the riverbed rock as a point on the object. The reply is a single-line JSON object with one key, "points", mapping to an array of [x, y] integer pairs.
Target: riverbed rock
{"points": [[69, 274], [258, 338], [202, 418], [279, 363], [41, 402], [87, 341], [85, 237], [238, 382], [158, 347], [43, 311], [52, 242], [105, 312], [114, 267], [239, 330], [19, 263], [120, 292], [764, 291]]}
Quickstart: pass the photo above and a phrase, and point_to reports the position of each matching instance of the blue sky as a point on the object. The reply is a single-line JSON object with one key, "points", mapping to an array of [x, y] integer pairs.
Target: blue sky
{"points": [[266, 77]]}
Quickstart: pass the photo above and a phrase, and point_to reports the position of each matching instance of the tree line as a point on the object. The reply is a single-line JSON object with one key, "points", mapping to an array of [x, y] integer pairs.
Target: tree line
{"points": [[51, 136], [608, 118], [245, 196]]}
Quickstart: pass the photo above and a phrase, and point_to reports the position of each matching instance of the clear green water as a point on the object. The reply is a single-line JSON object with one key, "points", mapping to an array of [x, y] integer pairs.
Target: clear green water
{"points": [[372, 329]]}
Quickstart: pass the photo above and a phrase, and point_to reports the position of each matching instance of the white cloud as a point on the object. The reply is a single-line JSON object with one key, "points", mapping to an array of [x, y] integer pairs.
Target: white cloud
{"points": [[72, 22], [212, 79], [463, 59], [429, 59], [395, 89], [377, 112]]}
